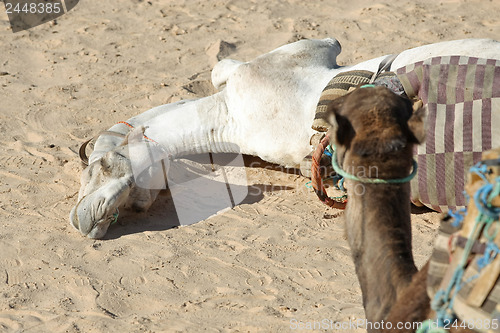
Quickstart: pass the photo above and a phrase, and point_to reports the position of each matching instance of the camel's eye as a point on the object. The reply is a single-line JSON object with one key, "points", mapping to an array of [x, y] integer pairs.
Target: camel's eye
{"points": [[105, 166]]}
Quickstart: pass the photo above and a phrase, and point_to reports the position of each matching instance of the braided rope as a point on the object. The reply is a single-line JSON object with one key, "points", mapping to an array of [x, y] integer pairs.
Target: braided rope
{"points": [[317, 181]]}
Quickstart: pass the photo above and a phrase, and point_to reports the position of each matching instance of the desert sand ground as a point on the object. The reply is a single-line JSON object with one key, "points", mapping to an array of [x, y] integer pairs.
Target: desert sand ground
{"points": [[260, 267]]}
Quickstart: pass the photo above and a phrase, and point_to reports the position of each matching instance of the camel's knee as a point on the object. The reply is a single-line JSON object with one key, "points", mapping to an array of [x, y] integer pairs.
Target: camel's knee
{"points": [[222, 70]]}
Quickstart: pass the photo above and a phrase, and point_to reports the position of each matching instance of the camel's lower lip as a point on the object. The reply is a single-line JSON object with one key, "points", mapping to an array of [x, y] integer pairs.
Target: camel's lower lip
{"points": [[98, 228]]}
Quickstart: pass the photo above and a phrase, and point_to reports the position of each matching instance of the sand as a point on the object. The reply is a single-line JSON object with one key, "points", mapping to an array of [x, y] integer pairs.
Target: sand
{"points": [[264, 266]]}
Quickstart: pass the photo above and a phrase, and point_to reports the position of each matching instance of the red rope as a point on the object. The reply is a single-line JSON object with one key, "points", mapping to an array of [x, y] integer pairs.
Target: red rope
{"points": [[124, 122], [317, 181], [132, 127]]}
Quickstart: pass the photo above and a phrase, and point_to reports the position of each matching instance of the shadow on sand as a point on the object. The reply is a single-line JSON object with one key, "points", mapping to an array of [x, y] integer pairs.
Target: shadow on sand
{"points": [[194, 204]]}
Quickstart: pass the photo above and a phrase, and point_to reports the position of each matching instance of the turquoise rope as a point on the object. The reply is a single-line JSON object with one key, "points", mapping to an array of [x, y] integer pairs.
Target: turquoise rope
{"points": [[328, 151], [115, 217], [340, 183], [458, 217], [490, 254], [347, 175], [483, 197], [480, 169], [308, 185]]}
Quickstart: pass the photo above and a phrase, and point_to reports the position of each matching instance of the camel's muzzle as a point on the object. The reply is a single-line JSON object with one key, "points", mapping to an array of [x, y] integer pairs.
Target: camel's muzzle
{"points": [[95, 212]]}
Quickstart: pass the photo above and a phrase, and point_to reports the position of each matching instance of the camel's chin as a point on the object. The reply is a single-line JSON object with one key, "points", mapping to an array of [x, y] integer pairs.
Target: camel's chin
{"points": [[99, 230]]}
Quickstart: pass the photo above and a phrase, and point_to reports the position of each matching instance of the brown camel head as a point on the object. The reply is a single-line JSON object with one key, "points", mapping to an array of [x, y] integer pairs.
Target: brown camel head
{"points": [[372, 126]]}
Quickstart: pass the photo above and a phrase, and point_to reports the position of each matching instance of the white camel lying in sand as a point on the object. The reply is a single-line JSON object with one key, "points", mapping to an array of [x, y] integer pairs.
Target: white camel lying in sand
{"points": [[264, 108]]}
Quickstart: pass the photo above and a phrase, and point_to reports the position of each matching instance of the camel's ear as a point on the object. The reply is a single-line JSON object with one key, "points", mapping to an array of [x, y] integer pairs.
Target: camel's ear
{"points": [[416, 125], [341, 130], [134, 134]]}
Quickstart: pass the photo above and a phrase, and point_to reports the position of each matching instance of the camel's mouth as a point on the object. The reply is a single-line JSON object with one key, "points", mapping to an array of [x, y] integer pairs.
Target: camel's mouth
{"points": [[95, 212], [91, 229], [81, 218]]}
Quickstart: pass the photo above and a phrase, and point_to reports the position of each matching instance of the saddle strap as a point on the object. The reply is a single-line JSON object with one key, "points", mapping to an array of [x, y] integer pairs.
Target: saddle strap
{"points": [[317, 182]]}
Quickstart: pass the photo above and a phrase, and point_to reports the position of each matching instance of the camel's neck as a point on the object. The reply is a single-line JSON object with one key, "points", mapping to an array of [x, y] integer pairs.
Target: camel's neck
{"points": [[379, 233], [182, 128], [197, 127]]}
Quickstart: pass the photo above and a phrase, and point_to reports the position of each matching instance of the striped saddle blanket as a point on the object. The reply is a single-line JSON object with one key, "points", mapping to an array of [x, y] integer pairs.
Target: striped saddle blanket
{"points": [[462, 100]]}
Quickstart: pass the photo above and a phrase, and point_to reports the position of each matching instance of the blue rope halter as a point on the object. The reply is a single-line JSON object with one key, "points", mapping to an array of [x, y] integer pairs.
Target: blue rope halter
{"points": [[347, 175]]}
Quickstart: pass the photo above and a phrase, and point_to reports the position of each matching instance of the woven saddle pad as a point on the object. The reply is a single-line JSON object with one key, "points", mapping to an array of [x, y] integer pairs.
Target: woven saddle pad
{"points": [[339, 86]]}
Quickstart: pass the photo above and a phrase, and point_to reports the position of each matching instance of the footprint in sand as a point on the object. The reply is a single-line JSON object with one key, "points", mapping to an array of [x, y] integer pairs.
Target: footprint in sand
{"points": [[132, 280]]}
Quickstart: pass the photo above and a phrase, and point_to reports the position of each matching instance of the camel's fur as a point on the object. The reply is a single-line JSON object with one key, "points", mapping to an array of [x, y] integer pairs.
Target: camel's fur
{"points": [[265, 108], [372, 132], [413, 305], [378, 222]]}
